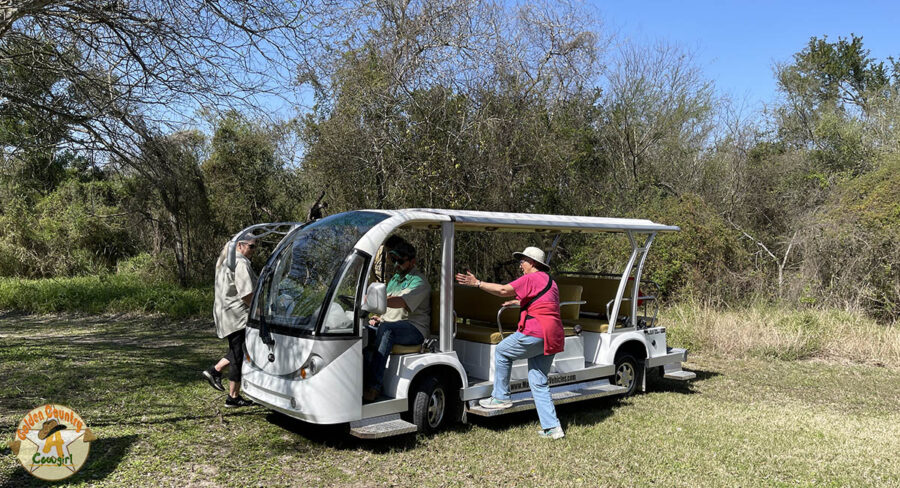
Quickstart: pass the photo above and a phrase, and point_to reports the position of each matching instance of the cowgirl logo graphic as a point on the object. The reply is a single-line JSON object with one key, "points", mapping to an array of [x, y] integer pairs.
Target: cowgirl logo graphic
{"points": [[52, 442]]}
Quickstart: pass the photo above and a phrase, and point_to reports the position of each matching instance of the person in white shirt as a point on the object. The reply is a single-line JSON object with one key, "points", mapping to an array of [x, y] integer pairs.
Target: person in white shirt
{"points": [[233, 295]]}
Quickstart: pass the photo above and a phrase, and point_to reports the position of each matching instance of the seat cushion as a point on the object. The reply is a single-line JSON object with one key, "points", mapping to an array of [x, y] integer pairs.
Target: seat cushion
{"points": [[401, 349], [482, 333], [490, 335], [590, 325]]}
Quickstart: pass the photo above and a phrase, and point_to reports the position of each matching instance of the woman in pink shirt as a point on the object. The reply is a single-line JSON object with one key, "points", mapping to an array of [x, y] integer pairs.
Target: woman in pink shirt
{"points": [[538, 338]]}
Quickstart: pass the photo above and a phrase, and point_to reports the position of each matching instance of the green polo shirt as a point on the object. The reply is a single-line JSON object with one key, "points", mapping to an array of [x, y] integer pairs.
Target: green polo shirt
{"points": [[413, 287]]}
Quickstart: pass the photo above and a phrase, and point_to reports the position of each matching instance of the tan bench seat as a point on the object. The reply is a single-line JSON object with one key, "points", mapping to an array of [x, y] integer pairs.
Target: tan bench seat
{"points": [[482, 333], [597, 291], [476, 312], [401, 349], [590, 325], [490, 335], [435, 326]]}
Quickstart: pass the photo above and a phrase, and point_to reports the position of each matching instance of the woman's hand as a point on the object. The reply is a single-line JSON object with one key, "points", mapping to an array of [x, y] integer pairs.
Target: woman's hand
{"points": [[467, 279], [511, 302], [374, 321]]}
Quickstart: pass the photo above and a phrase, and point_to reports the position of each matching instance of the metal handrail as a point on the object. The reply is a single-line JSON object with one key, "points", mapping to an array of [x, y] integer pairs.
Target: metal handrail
{"points": [[505, 307], [646, 299]]}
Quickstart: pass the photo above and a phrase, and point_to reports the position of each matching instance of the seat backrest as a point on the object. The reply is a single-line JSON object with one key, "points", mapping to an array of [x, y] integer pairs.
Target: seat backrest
{"points": [[569, 293], [597, 290], [474, 304], [435, 312]]}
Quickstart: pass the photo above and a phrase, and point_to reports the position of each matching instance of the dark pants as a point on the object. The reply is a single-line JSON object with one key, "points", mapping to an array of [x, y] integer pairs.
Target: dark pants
{"points": [[388, 334], [235, 354]]}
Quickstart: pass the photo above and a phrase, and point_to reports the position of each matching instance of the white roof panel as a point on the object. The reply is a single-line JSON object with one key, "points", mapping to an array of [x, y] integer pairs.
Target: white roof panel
{"points": [[476, 220]]}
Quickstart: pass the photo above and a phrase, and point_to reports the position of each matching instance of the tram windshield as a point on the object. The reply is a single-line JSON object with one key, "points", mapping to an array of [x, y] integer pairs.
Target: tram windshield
{"points": [[302, 271]]}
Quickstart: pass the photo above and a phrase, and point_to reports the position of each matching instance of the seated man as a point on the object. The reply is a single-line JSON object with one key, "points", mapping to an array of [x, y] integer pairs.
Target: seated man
{"points": [[406, 319], [382, 270]]}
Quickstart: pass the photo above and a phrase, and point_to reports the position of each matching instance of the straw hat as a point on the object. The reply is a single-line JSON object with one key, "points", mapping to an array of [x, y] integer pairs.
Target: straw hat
{"points": [[536, 254]]}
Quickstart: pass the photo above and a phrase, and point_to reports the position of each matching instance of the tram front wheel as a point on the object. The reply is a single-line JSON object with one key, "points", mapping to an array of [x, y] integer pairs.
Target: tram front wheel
{"points": [[430, 407]]}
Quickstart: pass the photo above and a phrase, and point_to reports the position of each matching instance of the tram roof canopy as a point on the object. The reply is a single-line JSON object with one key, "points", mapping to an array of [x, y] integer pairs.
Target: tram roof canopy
{"points": [[473, 220]]}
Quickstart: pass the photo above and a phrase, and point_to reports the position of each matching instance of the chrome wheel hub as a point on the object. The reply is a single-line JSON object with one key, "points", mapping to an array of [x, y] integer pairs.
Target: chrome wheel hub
{"points": [[625, 375], [436, 408]]}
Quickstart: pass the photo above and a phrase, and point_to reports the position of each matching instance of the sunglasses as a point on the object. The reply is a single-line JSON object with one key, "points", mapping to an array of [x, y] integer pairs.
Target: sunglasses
{"points": [[251, 246]]}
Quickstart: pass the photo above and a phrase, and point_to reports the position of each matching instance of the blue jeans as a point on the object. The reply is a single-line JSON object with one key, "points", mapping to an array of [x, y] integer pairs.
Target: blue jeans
{"points": [[390, 333], [521, 346]]}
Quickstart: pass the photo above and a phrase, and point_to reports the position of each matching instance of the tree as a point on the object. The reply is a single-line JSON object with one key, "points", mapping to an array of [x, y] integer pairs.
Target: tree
{"points": [[247, 180], [170, 180], [119, 76], [657, 118], [836, 100]]}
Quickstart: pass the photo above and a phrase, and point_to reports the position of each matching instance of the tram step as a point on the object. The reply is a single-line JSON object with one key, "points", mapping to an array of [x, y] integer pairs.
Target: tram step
{"points": [[560, 394], [680, 375], [384, 426]]}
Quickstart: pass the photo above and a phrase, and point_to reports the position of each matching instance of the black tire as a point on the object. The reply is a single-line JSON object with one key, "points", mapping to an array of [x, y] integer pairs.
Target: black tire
{"points": [[628, 373], [430, 405]]}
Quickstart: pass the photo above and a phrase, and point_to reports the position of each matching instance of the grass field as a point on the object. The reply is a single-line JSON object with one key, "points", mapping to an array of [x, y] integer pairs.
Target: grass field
{"points": [[743, 422], [111, 293]]}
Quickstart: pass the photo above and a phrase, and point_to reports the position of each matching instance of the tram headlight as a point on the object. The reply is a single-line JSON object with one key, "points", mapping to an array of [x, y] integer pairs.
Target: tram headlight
{"points": [[312, 366]]}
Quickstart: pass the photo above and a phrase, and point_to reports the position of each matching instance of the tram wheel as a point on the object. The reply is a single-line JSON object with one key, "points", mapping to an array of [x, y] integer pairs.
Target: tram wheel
{"points": [[430, 407]]}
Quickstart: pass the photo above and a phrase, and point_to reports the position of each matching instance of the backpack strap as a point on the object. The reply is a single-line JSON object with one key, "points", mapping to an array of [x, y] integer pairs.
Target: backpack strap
{"points": [[539, 295]]}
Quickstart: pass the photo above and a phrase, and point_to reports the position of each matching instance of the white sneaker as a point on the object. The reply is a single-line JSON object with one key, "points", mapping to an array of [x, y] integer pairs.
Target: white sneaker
{"points": [[552, 433], [494, 404]]}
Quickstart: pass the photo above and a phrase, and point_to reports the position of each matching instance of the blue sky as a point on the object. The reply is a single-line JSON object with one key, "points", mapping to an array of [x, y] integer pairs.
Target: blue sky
{"points": [[737, 43]]}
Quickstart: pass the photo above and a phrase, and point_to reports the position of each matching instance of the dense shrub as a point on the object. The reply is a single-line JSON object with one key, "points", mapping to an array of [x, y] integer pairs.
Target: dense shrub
{"points": [[852, 245], [706, 256], [76, 229], [153, 269]]}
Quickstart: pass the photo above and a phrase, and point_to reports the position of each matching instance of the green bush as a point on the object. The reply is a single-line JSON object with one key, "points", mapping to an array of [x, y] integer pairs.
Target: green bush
{"points": [[104, 294], [850, 249], [75, 230], [155, 269], [703, 257]]}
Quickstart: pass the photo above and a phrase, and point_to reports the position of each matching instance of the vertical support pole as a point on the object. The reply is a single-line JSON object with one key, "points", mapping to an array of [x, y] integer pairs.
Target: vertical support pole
{"points": [[614, 313], [448, 238], [637, 277], [553, 247]]}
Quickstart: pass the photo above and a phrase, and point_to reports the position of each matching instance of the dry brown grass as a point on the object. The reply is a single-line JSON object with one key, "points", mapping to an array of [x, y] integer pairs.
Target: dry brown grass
{"points": [[770, 331]]}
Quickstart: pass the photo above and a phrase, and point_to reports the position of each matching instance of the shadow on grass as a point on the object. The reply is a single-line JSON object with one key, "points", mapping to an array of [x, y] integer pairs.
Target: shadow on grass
{"points": [[587, 412], [79, 374], [105, 455], [656, 383], [575, 413], [338, 436]]}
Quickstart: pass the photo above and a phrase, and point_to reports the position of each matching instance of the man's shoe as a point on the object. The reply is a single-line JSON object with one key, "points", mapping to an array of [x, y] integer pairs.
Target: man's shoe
{"points": [[214, 377], [494, 404], [236, 402], [370, 394], [552, 433]]}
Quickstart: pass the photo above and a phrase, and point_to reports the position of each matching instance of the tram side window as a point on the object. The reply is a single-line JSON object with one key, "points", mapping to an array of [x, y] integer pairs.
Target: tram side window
{"points": [[339, 319]]}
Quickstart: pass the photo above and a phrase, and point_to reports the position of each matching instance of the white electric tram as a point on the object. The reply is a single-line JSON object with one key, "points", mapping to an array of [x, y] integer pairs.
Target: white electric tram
{"points": [[307, 326]]}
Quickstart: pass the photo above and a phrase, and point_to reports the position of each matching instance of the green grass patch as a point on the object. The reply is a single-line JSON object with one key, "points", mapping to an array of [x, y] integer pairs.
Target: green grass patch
{"points": [[113, 293], [742, 422]]}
